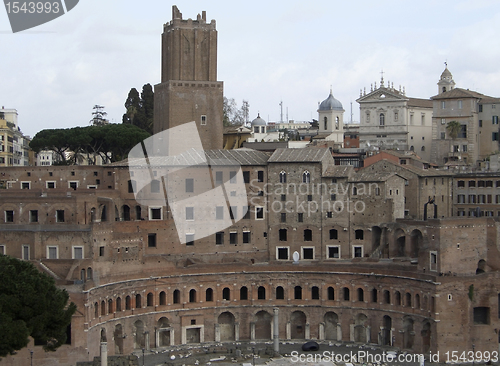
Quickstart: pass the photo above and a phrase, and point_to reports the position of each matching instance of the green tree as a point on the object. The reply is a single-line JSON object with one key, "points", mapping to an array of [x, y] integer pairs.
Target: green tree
{"points": [[232, 115], [98, 116], [31, 305], [140, 109], [453, 128]]}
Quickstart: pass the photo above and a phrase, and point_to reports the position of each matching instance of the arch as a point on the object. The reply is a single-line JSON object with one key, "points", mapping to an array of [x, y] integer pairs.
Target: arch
{"points": [[103, 308], [263, 325], [92, 214], [192, 295], [397, 298], [118, 338], [126, 213], [282, 176], [89, 273], [118, 304], [408, 333], [104, 213], [337, 123], [361, 294], [481, 266], [416, 242], [387, 297], [163, 298], [164, 332], [128, 304], [297, 291], [139, 339], [425, 303], [426, 335], [261, 293], [82, 275], [386, 331], [150, 299], [360, 326], [226, 326], [315, 293], [331, 293], [306, 177], [138, 301], [400, 238], [138, 212], [408, 299], [376, 236], [374, 295], [176, 297], [346, 293], [332, 326], [280, 293], [298, 322], [243, 293], [103, 335], [110, 306], [417, 301], [226, 294], [96, 310], [209, 295]]}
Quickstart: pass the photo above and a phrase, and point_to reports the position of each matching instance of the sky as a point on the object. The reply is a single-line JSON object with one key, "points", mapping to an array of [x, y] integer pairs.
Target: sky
{"points": [[268, 52]]}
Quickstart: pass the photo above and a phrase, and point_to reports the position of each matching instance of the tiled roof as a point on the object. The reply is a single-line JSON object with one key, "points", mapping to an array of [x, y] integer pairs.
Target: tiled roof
{"points": [[298, 155], [459, 93], [336, 171], [421, 103]]}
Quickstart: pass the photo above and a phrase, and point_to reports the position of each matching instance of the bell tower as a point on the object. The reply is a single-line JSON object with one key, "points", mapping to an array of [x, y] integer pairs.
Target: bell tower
{"points": [[189, 90], [446, 82]]}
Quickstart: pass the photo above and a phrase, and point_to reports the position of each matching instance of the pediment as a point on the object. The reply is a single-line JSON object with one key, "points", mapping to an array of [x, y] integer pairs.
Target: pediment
{"points": [[382, 95]]}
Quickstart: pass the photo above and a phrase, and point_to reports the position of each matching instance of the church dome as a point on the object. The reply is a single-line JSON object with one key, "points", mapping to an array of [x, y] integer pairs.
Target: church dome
{"points": [[330, 103], [259, 121]]}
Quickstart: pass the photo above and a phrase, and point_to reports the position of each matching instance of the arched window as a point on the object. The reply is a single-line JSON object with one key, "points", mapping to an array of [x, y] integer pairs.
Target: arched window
{"points": [[226, 294], [325, 121], [103, 308], [387, 297], [408, 299], [149, 299], [128, 305], [244, 293], [374, 295], [192, 295], [347, 294], [282, 176], [361, 294], [423, 148], [412, 148], [298, 293], [331, 293], [382, 119], [261, 293], [209, 295], [397, 298], [177, 297], [280, 293], [110, 306], [138, 303], [163, 298], [306, 177], [96, 310], [337, 121], [315, 293], [118, 304], [138, 210]]}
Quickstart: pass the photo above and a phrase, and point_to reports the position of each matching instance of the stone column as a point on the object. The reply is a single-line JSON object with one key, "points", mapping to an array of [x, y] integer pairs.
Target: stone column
{"points": [[237, 331], [104, 354], [368, 334], [217, 332], [321, 331], [288, 330], [351, 335], [146, 341], [308, 331], [252, 331], [276, 332], [339, 332]]}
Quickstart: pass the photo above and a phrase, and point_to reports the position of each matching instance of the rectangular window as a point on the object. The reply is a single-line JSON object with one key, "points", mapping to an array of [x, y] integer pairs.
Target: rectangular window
{"points": [[333, 197], [189, 213], [73, 185], [50, 185], [203, 120], [33, 215], [472, 198], [300, 217], [494, 136], [460, 104], [461, 198], [155, 213], [443, 104], [246, 210], [77, 252], [190, 239], [233, 212], [308, 253], [218, 178], [232, 177], [59, 215], [101, 251], [2, 249], [233, 237], [461, 184], [219, 238], [189, 185], [25, 185], [329, 214], [259, 213], [309, 197], [443, 135], [283, 197], [480, 123], [26, 252], [480, 108], [282, 253], [283, 217], [494, 120], [481, 315], [52, 252], [246, 237], [260, 176], [333, 251], [219, 213], [433, 261], [357, 251], [246, 177], [152, 240]]}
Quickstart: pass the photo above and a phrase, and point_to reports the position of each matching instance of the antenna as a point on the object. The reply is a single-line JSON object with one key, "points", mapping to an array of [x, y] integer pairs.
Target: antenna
{"points": [[351, 113], [281, 115]]}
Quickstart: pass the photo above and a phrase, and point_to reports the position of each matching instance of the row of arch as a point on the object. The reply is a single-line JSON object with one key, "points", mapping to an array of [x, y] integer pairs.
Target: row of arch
{"points": [[395, 298]]}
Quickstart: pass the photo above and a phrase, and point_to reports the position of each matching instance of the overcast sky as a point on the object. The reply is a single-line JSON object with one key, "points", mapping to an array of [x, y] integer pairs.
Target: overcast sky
{"points": [[268, 51]]}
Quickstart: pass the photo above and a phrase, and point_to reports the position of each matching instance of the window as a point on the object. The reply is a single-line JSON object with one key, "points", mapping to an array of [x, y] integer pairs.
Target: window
{"points": [[59, 215], [155, 213], [282, 253], [259, 213], [189, 213], [155, 186], [218, 178], [297, 291], [25, 185], [189, 185], [78, 252], [232, 177], [325, 123], [282, 176], [2, 249], [246, 210], [282, 235], [219, 212], [209, 295], [244, 293], [333, 234], [260, 176], [280, 293], [50, 185], [283, 217], [494, 120], [472, 183], [246, 237], [308, 253], [176, 297], [382, 119], [346, 291], [306, 177], [482, 315], [233, 237], [309, 197], [203, 120], [307, 235], [333, 251], [246, 177], [443, 135], [190, 239], [26, 252], [461, 184], [359, 234], [192, 295], [33, 215], [329, 214], [131, 186], [261, 293], [152, 240], [443, 104], [480, 123], [461, 198], [226, 294], [459, 104], [331, 293], [300, 217], [219, 238], [333, 197], [315, 293], [52, 252], [73, 185], [472, 198], [101, 251], [433, 261], [494, 136], [283, 197], [357, 251]]}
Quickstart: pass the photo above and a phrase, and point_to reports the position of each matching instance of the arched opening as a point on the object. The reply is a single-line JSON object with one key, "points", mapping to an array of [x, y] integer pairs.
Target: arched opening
{"points": [[92, 214], [408, 333], [118, 304], [397, 298], [346, 293], [104, 213], [280, 293], [126, 213], [387, 297], [374, 295], [138, 301], [282, 176], [298, 323], [386, 331], [298, 293], [176, 297], [128, 304], [226, 294], [209, 295], [382, 119], [89, 273], [325, 123], [425, 303], [261, 293], [315, 293], [332, 326], [331, 293], [361, 294], [82, 275], [360, 324], [118, 337], [226, 326], [103, 308], [263, 325], [164, 332], [376, 236], [117, 214], [400, 243], [163, 298], [192, 295], [244, 293], [150, 299], [408, 300], [417, 301], [110, 306], [139, 339], [416, 242], [426, 334], [103, 335], [306, 177], [138, 212], [481, 266]]}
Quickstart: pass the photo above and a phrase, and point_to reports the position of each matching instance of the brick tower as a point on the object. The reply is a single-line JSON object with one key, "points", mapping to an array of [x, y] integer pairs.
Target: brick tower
{"points": [[189, 90]]}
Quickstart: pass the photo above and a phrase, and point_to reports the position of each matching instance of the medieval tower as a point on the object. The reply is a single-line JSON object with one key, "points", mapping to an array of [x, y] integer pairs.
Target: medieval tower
{"points": [[189, 90]]}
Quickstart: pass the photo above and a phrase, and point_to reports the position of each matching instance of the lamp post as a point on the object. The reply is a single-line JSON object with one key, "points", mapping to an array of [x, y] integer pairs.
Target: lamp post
{"points": [[31, 356], [143, 357]]}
